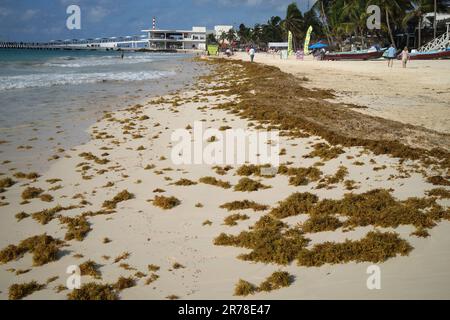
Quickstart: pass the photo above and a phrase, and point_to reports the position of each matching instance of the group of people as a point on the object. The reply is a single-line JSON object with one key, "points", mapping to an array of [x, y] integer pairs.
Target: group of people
{"points": [[250, 51], [392, 55], [319, 54]]}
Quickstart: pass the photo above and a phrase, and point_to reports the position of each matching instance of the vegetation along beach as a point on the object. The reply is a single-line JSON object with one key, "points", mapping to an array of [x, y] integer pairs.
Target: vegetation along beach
{"points": [[99, 199]]}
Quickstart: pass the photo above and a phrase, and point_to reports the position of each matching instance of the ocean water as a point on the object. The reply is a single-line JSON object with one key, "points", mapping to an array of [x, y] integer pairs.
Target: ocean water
{"points": [[49, 98]]}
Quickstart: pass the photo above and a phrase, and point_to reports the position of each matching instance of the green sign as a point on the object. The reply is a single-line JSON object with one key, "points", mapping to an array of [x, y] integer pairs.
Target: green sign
{"points": [[290, 44], [213, 49], [307, 39]]}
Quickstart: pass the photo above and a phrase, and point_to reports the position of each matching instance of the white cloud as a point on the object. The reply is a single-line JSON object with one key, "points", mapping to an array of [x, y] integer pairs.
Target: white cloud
{"points": [[52, 30], [29, 14], [94, 10], [4, 12], [98, 13], [277, 4]]}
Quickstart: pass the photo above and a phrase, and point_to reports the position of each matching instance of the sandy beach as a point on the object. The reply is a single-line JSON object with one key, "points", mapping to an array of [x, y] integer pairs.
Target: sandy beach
{"points": [[107, 190], [417, 95]]}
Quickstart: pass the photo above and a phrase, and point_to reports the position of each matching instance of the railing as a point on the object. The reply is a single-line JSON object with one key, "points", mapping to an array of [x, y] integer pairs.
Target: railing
{"points": [[177, 39], [11, 44], [438, 43], [69, 45]]}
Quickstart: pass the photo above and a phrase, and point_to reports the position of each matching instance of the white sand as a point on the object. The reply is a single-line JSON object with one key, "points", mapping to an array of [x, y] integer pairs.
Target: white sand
{"points": [[160, 237]]}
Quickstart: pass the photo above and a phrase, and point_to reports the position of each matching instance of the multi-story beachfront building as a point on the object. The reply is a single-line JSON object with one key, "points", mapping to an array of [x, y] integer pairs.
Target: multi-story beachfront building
{"points": [[154, 39], [194, 39]]}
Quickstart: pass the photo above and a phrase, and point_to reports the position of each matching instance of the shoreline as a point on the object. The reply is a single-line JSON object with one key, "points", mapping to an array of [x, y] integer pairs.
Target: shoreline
{"points": [[47, 139], [131, 152]]}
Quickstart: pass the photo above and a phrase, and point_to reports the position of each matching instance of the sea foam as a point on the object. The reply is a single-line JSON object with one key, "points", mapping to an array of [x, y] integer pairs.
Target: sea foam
{"points": [[52, 79], [96, 61]]}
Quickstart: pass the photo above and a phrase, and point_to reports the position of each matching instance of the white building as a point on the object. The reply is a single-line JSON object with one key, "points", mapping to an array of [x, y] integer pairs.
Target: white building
{"points": [[194, 39], [278, 45], [429, 18], [219, 30]]}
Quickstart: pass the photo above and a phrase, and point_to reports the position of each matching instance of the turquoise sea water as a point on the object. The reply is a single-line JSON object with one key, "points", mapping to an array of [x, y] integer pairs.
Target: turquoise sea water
{"points": [[21, 69], [49, 98]]}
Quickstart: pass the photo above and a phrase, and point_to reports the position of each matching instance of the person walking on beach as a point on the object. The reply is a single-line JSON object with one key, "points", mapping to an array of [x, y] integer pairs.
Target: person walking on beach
{"points": [[391, 55], [405, 56], [251, 52]]}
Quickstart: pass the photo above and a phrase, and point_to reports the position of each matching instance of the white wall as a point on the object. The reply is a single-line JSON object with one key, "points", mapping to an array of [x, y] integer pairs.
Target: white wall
{"points": [[199, 29], [198, 45]]}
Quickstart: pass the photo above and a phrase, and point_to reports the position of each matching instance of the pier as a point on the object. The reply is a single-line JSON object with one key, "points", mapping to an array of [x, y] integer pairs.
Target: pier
{"points": [[153, 40], [112, 43]]}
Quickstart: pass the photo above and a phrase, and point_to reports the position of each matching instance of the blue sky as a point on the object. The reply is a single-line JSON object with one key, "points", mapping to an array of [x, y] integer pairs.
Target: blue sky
{"points": [[43, 20]]}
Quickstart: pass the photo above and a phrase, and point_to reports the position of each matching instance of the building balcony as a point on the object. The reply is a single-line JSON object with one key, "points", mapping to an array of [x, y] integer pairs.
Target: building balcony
{"points": [[177, 39]]}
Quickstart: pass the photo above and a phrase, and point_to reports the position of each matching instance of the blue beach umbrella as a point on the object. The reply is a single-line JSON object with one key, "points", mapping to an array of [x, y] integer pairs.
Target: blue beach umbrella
{"points": [[318, 45]]}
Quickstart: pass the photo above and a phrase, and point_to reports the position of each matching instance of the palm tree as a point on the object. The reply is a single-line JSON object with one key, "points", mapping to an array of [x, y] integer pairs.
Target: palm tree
{"points": [[273, 31], [356, 17], [337, 21], [322, 6], [211, 39], [245, 34], [391, 8], [434, 21], [310, 18], [222, 38], [420, 8], [293, 22], [256, 34], [231, 36]]}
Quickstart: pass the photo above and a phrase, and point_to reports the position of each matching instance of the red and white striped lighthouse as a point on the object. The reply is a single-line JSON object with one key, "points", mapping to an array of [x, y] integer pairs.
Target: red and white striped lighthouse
{"points": [[154, 23]]}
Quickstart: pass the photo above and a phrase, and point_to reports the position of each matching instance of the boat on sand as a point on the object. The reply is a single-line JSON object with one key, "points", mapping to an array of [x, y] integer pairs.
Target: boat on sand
{"points": [[430, 55], [354, 55]]}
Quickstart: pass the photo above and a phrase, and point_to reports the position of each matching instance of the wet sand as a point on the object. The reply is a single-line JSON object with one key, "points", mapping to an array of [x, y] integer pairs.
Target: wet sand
{"points": [[35, 135]]}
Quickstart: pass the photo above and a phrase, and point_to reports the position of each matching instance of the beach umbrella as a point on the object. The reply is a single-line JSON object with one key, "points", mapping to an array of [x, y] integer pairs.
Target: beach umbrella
{"points": [[318, 45]]}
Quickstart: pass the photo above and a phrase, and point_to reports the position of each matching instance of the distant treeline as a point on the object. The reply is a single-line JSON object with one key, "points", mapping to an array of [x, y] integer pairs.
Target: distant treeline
{"points": [[340, 22]]}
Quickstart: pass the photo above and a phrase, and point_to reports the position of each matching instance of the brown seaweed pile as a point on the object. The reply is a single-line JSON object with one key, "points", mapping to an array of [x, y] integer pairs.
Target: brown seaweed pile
{"points": [[270, 240], [44, 248], [120, 197], [377, 207], [280, 98], [47, 215], [376, 247], [249, 185], [300, 176], [244, 204], [166, 203], [234, 218], [94, 291], [215, 182], [19, 291], [276, 281]]}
